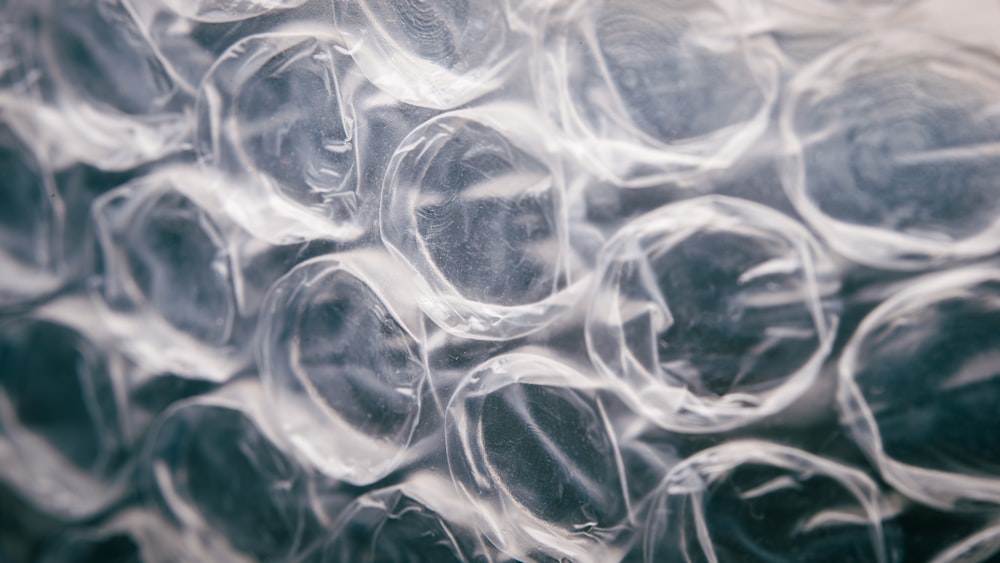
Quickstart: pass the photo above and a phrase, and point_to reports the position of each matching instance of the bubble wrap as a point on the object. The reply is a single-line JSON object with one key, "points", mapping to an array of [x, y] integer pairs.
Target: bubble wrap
{"points": [[322, 281]]}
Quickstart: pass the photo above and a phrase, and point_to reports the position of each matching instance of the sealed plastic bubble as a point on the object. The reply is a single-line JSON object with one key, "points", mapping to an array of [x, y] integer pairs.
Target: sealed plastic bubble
{"points": [[167, 274], [276, 117], [892, 145], [87, 85], [432, 53], [757, 501], [31, 215], [473, 202], [338, 361], [130, 536], [651, 92], [391, 525], [62, 442], [919, 385], [531, 448], [217, 11], [712, 312], [981, 547], [221, 475]]}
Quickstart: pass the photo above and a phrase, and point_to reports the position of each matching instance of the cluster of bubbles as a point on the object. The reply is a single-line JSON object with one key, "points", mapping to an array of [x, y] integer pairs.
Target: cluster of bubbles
{"points": [[533, 280]]}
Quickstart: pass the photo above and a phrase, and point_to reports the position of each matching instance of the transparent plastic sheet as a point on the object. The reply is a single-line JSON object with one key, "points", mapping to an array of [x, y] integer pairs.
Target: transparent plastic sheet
{"points": [[433, 54], [444, 280], [171, 272], [130, 536]]}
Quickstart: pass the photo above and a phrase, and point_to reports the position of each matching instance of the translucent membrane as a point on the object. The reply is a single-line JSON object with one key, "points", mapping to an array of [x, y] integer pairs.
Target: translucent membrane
{"points": [[391, 525], [130, 536], [168, 274], [532, 451], [276, 118], [713, 313], [919, 384], [981, 547], [62, 443], [749, 500], [31, 214], [471, 194], [650, 92], [432, 53], [86, 85], [338, 361], [892, 145], [222, 476]]}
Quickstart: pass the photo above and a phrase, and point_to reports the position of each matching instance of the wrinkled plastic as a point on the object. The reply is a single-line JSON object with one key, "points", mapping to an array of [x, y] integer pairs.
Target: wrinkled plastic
{"points": [[559, 280]]}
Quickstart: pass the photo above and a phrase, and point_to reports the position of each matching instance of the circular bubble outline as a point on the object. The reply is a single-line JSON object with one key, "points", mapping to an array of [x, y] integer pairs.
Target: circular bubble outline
{"points": [[252, 193], [682, 161], [388, 501], [37, 281], [242, 397], [933, 487], [279, 380], [40, 471], [409, 83], [136, 199], [442, 301], [875, 246], [494, 505], [663, 403], [693, 476]]}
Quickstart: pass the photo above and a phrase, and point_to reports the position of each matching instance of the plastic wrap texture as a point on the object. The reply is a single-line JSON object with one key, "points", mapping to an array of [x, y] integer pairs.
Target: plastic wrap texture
{"points": [[512, 280]]}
